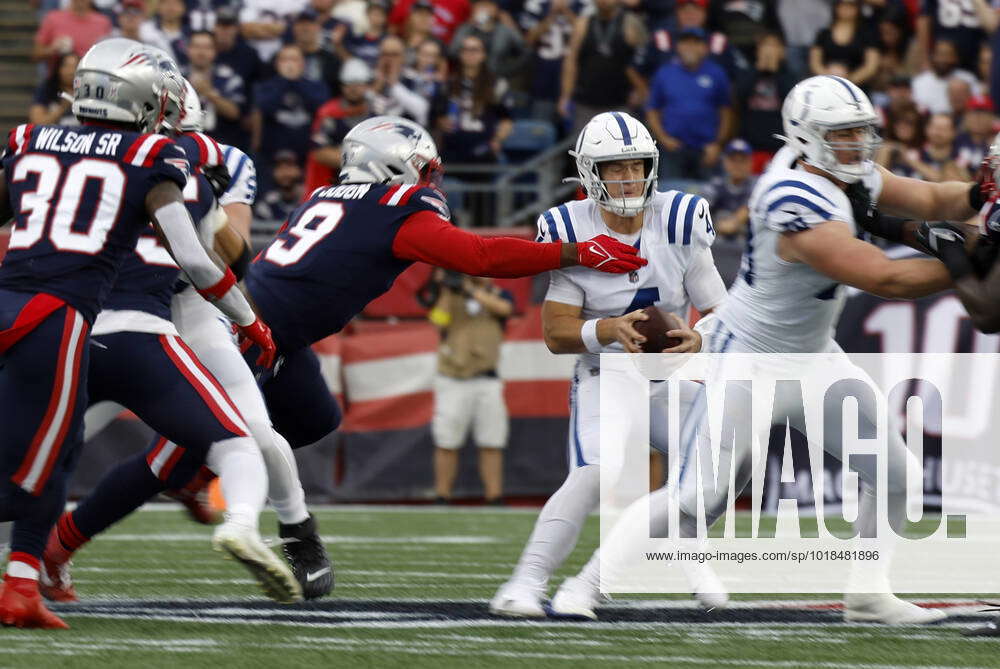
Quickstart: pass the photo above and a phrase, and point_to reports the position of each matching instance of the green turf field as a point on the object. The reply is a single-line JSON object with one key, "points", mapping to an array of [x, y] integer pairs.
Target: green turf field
{"points": [[412, 586]]}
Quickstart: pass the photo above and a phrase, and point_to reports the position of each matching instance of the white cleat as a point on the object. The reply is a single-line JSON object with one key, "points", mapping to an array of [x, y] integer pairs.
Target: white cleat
{"points": [[887, 609], [706, 587], [576, 598], [244, 545], [513, 601]]}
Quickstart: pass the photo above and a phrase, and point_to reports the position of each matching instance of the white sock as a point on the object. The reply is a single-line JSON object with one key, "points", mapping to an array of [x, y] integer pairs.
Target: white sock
{"points": [[241, 471], [558, 527], [285, 491]]}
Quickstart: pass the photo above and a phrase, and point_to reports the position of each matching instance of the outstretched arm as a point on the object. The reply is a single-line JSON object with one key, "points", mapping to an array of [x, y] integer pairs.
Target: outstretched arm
{"points": [[913, 198], [427, 237]]}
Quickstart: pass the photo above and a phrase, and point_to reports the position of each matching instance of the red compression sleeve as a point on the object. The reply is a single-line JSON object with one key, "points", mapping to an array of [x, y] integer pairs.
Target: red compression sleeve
{"points": [[428, 237]]}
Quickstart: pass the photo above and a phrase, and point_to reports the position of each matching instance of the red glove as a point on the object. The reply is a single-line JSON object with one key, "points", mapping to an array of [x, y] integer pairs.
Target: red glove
{"points": [[607, 254], [986, 182], [258, 333]]}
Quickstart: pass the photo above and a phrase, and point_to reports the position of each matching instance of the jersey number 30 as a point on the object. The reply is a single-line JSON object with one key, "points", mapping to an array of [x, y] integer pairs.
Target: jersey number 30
{"points": [[65, 232], [312, 225]]}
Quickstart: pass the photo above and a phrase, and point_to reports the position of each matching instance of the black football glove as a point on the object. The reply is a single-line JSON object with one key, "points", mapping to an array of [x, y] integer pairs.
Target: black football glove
{"points": [[218, 177], [946, 242], [866, 214], [984, 254]]}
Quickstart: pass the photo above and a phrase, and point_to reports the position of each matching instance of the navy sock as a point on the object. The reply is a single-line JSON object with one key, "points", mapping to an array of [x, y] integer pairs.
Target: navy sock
{"points": [[122, 490], [32, 527]]}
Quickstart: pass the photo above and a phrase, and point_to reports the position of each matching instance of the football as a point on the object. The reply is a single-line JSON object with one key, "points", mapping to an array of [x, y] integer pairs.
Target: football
{"points": [[655, 330]]}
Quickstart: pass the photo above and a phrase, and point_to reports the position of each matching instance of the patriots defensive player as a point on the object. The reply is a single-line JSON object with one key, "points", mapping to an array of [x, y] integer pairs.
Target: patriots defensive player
{"points": [[346, 244], [588, 314], [802, 245], [169, 381], [80, 198]]}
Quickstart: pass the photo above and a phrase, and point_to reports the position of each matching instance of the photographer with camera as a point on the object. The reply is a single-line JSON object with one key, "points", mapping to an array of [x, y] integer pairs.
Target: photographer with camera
{"points": [[470, 313]]}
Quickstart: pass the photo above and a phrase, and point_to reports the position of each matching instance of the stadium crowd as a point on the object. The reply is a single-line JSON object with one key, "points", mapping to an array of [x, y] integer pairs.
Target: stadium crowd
{"points": [[286, 79]]}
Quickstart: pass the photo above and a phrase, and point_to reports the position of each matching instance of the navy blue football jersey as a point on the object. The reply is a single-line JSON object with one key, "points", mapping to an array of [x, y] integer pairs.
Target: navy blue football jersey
{"points": [[78, 196], [332, 257], [148, 275]]}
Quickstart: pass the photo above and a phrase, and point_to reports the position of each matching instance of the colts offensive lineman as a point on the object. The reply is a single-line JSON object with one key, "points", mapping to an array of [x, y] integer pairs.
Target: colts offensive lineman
{"points": [[589, 314]]}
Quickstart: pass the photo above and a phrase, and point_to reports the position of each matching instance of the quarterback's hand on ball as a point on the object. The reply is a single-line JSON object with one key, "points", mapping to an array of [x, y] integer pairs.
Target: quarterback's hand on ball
{"points": [[690, 338], [625, 332], [607, 254], [258, 333]]}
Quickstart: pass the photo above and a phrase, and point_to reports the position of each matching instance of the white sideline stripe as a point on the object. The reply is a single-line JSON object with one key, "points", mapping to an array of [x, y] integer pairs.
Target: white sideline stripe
{"points": [[388, 377], [209, 387], [441, 539], [532, 361], [65, 382]]}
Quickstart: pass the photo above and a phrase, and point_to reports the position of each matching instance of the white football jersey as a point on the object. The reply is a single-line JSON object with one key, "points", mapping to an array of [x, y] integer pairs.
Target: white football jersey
{"points": [[676, 238], [777, 306], [242, 175]]}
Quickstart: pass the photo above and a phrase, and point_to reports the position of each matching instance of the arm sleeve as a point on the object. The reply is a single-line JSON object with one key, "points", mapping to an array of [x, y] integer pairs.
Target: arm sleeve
{"points": [[702, 282], [563, 289], [428, 237]]}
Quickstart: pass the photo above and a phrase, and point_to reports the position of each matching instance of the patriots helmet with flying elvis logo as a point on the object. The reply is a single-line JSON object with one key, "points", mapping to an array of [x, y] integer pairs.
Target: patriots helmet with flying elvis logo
{"points": [[609, 137], [118, 80], [172, 89], [390, 150], [825, 103]]}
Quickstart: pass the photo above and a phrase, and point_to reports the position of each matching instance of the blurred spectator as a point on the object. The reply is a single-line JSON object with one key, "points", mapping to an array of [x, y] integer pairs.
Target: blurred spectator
{"points": [[505, 48], [468, 395], [849, 43], [334, 119], [263, 23], [959, 94], [973, 143], [952, 20], [221, 91], [322, 64], [548, 25], [427, 73], [743, 21], [603, 45], [990, 20], [984, 72], [801, 21], [201, 13], [476, 120], [904, 138], [170, 23], [936, 160], [353, 14], [897, 94], [285, 106], [689, 109], [75, 29], [894, 43], [728, 193], [324, 14], [132, 24], [365, 45], [760, 96], [419, 28], [689, 14], [448, 16], [54, 96], [232, 50], [277, 203], [390, 96], [930, 87]]}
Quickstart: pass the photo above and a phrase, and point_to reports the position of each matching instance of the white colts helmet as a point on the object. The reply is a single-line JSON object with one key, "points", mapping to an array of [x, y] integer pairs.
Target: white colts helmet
{"points": [[390, 150], [191, 120], [609, 137], [823, 103]]}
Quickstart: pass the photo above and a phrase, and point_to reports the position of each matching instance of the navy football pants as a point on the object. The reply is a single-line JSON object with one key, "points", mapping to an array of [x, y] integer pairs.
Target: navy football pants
{"points": [[43, 396], [161, 381]]}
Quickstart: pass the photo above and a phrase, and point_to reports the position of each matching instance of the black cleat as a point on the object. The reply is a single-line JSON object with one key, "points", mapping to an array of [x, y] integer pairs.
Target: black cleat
{"points": [[992, 628], [307, 557]]}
